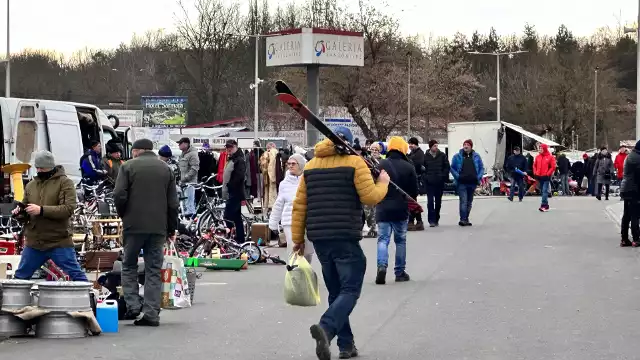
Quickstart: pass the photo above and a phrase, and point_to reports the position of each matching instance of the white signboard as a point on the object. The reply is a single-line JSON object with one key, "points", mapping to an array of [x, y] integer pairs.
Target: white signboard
{"points": [[356, 131], [126, 117], [316, 46]]}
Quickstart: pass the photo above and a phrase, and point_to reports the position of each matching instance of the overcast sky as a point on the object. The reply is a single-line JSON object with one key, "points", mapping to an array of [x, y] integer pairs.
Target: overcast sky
{"points": [[46, 24]]}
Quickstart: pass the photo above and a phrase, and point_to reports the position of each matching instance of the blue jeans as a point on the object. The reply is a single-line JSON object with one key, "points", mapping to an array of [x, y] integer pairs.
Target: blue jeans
{"points": [[465, 194], [190, 202], [519, 182], [399, 229], [564, 184], [544, 189], [591, 185], [65, 258], [343, 267]]}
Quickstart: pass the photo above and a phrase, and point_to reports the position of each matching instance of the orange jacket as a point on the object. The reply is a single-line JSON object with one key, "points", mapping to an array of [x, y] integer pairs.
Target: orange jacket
{"points": [[619, 164], [545, 163]]}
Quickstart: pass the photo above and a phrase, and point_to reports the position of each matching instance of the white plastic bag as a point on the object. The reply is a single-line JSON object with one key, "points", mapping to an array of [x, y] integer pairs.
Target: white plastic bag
{"points": [[175, 288], [301, 283]]}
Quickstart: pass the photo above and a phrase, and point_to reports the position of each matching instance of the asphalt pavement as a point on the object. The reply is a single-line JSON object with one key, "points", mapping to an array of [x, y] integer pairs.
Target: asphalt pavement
{"points": [[518, 284]]}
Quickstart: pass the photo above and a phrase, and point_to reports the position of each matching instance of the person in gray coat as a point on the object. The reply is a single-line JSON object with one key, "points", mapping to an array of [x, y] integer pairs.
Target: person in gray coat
{"points": [[189, 164], [146, 200], [603, 173]]}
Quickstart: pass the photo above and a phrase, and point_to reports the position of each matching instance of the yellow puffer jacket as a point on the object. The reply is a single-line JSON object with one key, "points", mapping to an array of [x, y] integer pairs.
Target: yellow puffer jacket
{"points": [[328, 202]]}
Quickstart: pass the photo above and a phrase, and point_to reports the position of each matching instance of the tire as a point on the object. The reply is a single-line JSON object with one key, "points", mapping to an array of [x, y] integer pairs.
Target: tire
{"points": [[253, 252], [201, 243], [496, 192], [203, 223]]}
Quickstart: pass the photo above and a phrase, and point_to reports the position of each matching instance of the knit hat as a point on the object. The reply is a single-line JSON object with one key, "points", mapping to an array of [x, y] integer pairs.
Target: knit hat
{"points": [[344, 132], [142, 144], [165, 151], [586, 156], [299, 159], [432, 142], [383, 148], [112, 147], [397, 143], [414, 141], [44, 160], [468, 141], [93, 143]]}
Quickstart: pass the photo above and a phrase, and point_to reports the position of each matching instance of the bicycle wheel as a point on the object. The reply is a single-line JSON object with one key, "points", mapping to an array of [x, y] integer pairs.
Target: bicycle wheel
{"points": [[199, 249], [253, 252], [205, 220]]}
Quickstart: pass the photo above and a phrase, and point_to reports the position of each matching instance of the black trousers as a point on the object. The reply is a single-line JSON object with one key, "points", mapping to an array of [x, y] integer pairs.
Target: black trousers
{"points": [[631, 215], [434, 202], [233, 216], [599, 190]]}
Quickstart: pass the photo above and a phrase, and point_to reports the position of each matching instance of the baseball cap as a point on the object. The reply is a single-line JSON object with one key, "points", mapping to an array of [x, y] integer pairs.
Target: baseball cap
{"points": [[184, 140], [230, 143]]}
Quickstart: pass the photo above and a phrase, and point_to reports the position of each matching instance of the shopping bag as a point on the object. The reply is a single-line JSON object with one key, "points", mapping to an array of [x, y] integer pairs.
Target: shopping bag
{"points": [[301, 283], [175, 288]]}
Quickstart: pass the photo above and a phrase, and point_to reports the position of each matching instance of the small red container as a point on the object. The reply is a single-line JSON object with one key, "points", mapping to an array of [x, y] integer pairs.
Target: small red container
{"points": [[7, 247]]}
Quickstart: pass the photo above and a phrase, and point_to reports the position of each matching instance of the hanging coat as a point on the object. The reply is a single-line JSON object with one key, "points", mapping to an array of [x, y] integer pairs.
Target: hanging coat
{"points": [[221, 163], [253, 169], [279, 170], [268, 169]]}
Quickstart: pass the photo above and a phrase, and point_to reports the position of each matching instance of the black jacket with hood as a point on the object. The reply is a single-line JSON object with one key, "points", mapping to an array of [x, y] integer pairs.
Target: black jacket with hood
{"points": [[394, 206]]}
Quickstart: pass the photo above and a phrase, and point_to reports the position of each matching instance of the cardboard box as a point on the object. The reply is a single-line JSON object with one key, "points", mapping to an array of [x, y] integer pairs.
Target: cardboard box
{"points": [[260, 231]]}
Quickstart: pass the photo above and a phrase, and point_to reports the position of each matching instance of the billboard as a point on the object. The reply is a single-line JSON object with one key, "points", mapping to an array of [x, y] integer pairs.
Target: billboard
{"points": [[164, 111], [126, 117], [356, 131]]}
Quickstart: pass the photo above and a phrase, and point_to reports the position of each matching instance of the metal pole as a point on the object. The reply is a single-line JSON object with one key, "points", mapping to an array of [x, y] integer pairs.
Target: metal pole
{"points": [[595, 109], [255, 91], [126, 102], [638, 78], [498, 85], [7, 91], [409, 98]]}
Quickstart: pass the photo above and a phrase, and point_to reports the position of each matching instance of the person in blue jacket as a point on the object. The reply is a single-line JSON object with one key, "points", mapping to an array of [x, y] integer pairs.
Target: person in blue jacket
{"points": [[91, 164], [467, 170]]}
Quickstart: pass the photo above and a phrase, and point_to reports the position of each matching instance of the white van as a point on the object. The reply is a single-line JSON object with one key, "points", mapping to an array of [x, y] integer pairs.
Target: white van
{"points": [[64, 128]]}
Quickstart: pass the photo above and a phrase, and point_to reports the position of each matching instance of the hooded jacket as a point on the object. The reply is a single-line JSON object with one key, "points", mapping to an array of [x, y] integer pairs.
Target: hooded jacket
{"points": [[91, 166], [394, 206], [57, 197], [189, 164], [112, 166], [603, 169], [329, 199], [283, 208], [545, 164], [619, 164]]}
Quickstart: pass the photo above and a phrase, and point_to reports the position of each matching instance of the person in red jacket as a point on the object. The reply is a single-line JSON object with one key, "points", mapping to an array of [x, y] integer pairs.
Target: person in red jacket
{"points": [[619, 162], [543, 168]]}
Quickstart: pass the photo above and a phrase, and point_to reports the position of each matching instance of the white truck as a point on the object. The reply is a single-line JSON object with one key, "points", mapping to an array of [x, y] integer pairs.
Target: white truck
{"points": [[492, 140]]}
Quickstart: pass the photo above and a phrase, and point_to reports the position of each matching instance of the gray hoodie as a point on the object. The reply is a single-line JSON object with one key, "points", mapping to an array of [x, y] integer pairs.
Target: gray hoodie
{"points": [[189, 164]]}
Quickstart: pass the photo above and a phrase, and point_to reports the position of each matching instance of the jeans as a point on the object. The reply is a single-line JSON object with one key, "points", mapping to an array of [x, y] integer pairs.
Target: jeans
{"points": [[631, 215], [434, 202], [343, 267], [544, 190], [465, 194], [32, 259], [399, 229], [519, 182], [190, 202], [591, 186], [233, 214], [152, 246], [564, 184]]}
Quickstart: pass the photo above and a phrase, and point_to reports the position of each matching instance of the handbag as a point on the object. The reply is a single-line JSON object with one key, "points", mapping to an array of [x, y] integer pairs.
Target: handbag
{"points": [[175, 287]]}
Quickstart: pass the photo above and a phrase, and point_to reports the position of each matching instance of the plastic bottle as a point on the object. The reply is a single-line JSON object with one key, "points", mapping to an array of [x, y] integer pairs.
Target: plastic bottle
{"points": [[107, 315], [245, 257]]}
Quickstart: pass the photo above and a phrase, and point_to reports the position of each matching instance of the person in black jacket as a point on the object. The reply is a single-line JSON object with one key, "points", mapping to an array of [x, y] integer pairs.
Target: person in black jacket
{"points": [[563, 168], [392, 213], [577, 169], [233, 187], [516, 162], [436, 173], [417, 158], [589, 174], [630, 193]]}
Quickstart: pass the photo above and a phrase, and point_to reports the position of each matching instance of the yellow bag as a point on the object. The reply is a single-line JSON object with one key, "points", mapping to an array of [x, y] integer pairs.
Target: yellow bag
{"points": [[301, 283]]}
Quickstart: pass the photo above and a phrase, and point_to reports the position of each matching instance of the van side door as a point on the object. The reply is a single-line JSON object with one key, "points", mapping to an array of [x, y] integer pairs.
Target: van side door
{"points": [[63, 137]]}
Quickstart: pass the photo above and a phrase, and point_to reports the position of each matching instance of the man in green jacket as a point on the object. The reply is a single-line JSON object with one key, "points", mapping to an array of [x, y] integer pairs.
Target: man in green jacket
{"points": [[146, 200], [50, 200]]}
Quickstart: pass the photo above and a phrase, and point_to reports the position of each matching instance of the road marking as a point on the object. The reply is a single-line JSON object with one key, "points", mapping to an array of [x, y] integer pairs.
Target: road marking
{"points": [[209, 283]]}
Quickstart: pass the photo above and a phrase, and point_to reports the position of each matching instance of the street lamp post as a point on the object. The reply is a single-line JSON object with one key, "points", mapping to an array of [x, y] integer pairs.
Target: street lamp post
{"points": [[497, 55], [595, 107], [637, 31], [7, 90], [409, 94]]}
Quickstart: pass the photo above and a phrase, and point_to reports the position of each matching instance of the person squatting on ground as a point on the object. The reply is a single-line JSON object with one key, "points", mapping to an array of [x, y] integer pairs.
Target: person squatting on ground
{"points": [[145, 198], [603, 173], [189, 164], [328, 204], [393, 211], [630, 193], [416, 156], [563, 165], [51, 200], [282, 209], [467, 170], [436, 173], [543, 168], [233, 189], [516, 167]]}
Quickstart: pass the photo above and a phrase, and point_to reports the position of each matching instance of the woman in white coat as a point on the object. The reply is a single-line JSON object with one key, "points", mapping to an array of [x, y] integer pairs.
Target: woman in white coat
{"points": [[281, 211]]}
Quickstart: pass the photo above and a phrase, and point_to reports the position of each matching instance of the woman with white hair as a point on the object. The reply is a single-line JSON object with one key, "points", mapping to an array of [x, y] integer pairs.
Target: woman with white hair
{"points": [[283, 207]]}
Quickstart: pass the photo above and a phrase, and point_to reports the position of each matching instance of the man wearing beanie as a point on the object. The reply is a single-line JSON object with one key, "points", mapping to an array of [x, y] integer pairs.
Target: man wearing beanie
{"points": [[111, 163], [51, 200], [91, 164], [146, 200], [393, 212], [165, 154], [436, 172], [417, 158], [467, 170], [328, 207]]}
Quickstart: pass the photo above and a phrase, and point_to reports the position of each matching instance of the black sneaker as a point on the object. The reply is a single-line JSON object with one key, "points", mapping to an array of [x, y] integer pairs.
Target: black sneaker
{"points": [[432, 225], [322, 342], [510, 198], [143, 321], [381, 277], [462, 223], [131, 315], [403, 277], [348, 354], [625, 243]]}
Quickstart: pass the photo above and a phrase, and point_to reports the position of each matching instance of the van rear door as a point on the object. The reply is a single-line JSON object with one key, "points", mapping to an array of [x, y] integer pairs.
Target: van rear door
{"points": [[63, 137], [24, 132]]}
